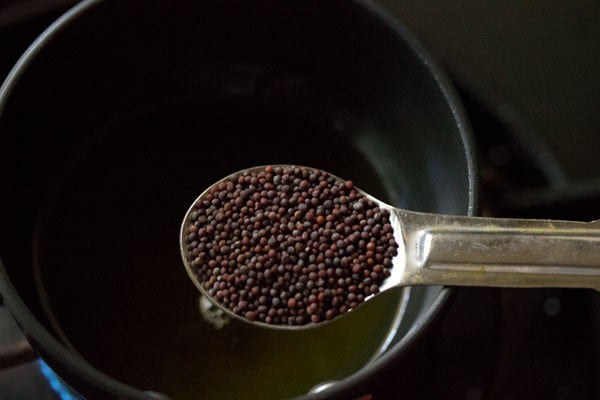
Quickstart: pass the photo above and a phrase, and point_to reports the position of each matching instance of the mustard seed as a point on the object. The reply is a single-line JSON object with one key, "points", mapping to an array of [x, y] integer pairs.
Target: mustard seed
{"points": [[289, 245]]}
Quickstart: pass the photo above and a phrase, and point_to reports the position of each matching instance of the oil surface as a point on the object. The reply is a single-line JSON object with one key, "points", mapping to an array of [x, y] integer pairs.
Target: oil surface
{"points": [[109, 263]]}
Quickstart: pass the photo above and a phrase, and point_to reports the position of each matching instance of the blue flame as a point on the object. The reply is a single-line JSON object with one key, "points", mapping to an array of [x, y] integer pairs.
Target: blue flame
{"points": [[62, 390]]}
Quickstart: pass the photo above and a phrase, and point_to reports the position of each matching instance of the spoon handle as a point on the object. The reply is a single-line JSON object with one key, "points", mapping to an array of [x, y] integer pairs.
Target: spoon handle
{"points": [[473, 251]]}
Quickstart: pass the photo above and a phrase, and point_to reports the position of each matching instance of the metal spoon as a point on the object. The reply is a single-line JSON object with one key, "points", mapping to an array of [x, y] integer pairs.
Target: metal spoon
{"points": [[456, 250]]}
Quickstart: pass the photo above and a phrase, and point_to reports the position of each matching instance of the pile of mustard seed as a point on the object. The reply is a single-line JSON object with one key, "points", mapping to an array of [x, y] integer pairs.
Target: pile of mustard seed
{"points": [[289, 245]]}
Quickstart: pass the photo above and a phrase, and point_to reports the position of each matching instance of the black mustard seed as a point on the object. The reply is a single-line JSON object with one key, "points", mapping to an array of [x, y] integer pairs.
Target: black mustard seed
{"points": [[289, 245]]}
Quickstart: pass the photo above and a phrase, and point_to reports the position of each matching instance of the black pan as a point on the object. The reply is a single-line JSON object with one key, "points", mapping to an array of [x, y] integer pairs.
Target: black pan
{"points": [[123, 111]]}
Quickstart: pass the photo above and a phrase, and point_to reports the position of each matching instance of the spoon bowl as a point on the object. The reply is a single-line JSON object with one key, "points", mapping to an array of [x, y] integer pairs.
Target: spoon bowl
{"points": [[435, 249]]}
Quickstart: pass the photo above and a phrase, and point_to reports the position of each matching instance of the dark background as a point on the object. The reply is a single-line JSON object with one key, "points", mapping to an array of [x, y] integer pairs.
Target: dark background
{"points": [[529, 73], [536, 63]]}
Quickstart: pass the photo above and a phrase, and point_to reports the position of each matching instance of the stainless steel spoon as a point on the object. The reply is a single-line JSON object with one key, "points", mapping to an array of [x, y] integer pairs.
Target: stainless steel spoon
{"points": [[456, 250]]}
